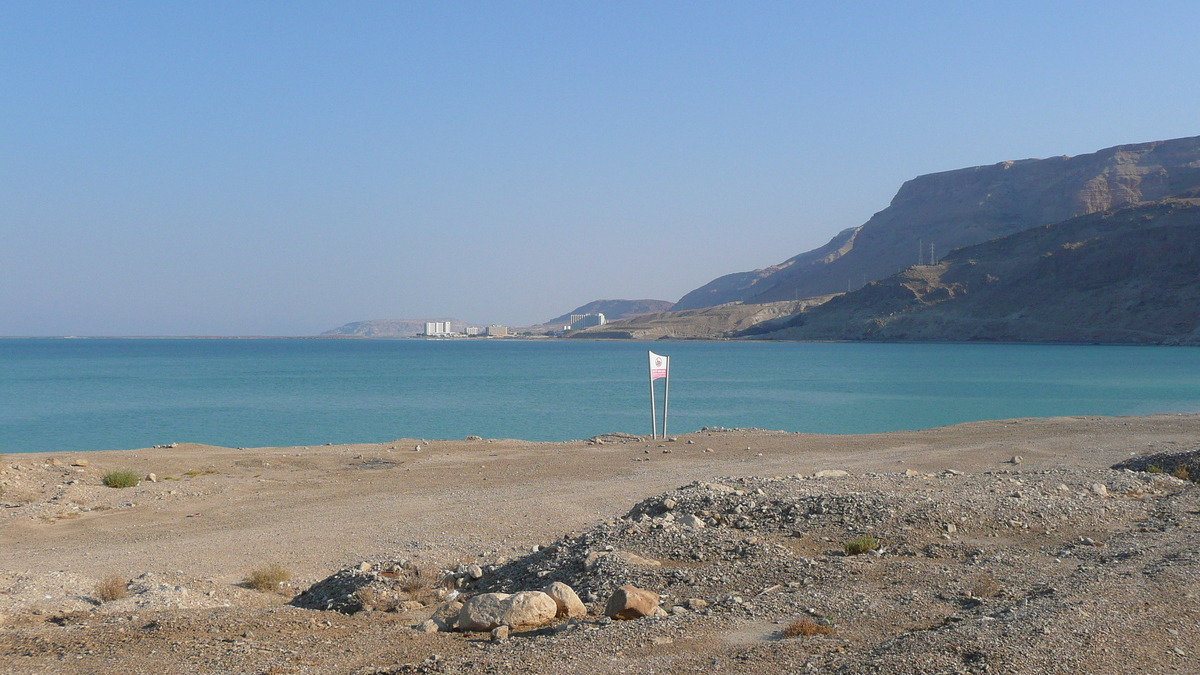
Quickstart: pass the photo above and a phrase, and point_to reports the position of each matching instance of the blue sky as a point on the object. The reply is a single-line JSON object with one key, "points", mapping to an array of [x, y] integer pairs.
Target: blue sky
{"points": [[280, 169]]}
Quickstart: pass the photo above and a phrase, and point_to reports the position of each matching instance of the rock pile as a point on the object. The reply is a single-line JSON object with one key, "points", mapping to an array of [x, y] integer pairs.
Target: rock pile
{"points": [[982, 572], [1181, 463], [382, 585]]}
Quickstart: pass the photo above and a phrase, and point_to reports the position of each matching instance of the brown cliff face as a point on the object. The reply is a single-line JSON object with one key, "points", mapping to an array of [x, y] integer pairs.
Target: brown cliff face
{"points": [[966, 207], [1131, 275]]}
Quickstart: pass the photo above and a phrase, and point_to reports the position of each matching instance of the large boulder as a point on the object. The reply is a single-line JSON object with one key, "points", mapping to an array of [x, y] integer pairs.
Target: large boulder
{"points": [[528, 608], [569, 604], [482, 612], [631, 602], [492, 610]]}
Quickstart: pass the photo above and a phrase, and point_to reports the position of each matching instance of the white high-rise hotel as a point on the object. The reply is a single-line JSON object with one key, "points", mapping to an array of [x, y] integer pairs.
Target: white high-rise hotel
{"points": [[437, 328]]}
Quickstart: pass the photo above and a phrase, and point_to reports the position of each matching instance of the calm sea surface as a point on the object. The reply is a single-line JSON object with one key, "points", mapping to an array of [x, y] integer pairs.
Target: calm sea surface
{"points": [[93, 394]]}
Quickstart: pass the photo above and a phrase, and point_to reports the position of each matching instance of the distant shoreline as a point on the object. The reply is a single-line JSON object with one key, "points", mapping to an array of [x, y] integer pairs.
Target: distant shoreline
{"points": [[548, 338]]}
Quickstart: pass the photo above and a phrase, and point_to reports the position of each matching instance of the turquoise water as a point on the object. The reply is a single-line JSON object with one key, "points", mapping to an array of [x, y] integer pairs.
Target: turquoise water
{"points": [[93, 394]]}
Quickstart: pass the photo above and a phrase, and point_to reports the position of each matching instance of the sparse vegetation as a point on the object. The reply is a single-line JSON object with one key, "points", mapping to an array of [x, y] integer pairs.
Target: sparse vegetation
{"points": [[806, 628], [861, 544], [419, 582], [1181, 472], [268, 578], [197, 472], [1154, 468], [121, 478], [111, 588], [372, 599]]}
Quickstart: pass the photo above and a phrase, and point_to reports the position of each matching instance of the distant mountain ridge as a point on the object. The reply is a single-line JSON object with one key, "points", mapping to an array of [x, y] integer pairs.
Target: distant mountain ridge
{"points": [[389, 328], [1130, 275], [614, 310], [964, 207]]}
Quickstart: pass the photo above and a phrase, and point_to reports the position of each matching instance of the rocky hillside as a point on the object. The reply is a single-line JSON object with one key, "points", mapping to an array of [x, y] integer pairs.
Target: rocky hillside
{"points": [[966, 207], [726, 321], [388, 328], [614, 310], [1131, 275]]}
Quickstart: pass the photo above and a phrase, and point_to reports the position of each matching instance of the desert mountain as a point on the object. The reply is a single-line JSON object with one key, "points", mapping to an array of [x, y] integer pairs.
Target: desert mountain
{"points": [[708, 323], [389, 328], [1129, 275], [615, 309], [964, 207]]}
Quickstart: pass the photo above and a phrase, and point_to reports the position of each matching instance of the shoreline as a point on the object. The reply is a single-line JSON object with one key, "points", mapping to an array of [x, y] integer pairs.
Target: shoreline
{"points": [[583, 338], [342, 473]]}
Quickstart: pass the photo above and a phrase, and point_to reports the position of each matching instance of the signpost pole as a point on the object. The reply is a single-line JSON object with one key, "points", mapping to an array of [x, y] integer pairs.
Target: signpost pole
{"points": [[653, 412], [666, 395]]}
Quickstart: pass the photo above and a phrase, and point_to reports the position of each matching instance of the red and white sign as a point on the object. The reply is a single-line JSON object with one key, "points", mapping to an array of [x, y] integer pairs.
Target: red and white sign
{"points": [[658, 366]]}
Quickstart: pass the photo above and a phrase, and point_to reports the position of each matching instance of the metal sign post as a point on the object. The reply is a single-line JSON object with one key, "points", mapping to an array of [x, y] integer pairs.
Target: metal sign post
{"points": [[660, 367], [666, 395], [653, 412]]}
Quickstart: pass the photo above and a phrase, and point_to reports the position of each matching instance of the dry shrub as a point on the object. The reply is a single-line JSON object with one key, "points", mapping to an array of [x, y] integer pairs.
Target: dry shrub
{"points": [[985, 586], [1154, 468], [370, 598], [421, 583], [806, 628], [269, 578], [861, 544], [1181, 472], [111, 588]]}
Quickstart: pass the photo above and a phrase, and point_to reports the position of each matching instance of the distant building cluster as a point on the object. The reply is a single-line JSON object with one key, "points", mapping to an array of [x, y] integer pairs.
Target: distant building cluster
{"points": [[581, 321], [433, 328], [442, 329]]}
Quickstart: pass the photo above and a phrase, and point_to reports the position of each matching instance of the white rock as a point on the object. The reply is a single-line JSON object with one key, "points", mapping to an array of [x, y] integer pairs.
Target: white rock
{"points": [[568, 602], [1099, 489], [830, 473], [528, 608], [492, 610], [691, 521]]}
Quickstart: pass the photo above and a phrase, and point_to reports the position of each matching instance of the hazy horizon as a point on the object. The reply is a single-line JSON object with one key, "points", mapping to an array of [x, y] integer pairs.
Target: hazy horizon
{"points": [[225, 169]]}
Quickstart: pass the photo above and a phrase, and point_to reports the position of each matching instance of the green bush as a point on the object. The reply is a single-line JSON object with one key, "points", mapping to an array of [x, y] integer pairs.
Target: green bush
{"points": [[861, 544], [121, 478]]}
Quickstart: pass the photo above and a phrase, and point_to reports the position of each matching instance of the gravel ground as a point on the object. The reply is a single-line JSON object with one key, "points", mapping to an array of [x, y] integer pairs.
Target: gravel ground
{"points": [[1056, 564]]}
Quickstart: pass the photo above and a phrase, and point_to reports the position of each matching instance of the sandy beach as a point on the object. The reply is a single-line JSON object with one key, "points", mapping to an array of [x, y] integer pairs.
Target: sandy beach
{"points": [[188, 538]]}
